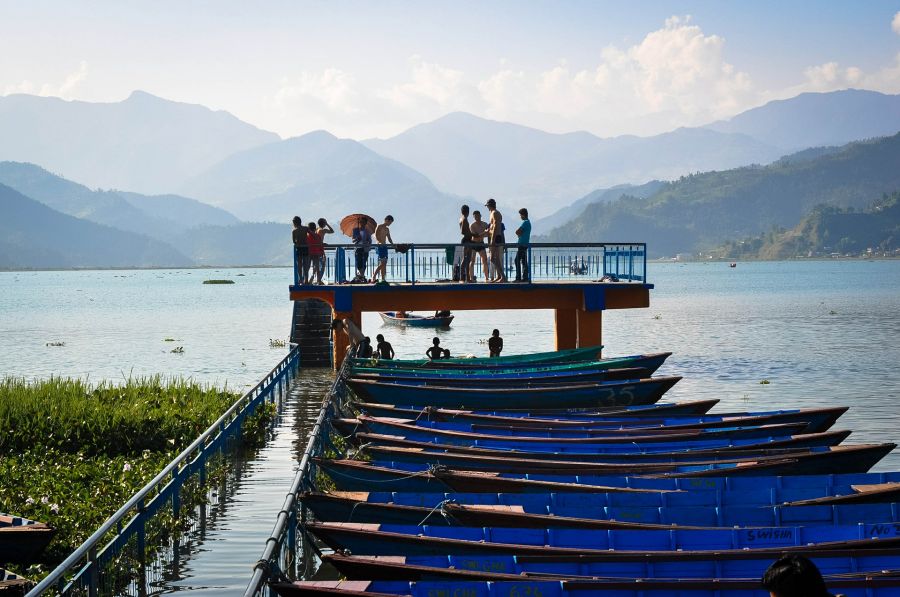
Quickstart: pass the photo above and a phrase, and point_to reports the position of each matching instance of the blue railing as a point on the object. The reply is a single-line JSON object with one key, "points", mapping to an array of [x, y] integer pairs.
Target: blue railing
{"points": [[283, 555], [92, 566], [429, 263]]}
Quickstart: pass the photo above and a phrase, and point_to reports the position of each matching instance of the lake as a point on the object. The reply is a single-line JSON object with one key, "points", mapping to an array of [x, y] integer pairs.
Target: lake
{"points": [[820, 332]]}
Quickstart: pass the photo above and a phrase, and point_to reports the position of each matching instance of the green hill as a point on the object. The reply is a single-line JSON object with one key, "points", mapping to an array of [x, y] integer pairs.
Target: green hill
{"points": [[33, 235], [828, 230], [702, 211]]}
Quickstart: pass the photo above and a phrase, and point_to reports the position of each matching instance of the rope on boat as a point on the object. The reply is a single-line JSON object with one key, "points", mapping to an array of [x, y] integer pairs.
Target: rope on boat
{"points": [[441, 508]]}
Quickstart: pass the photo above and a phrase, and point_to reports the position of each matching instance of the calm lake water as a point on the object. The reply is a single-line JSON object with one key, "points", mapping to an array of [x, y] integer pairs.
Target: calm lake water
{"points": [[821, 333]]}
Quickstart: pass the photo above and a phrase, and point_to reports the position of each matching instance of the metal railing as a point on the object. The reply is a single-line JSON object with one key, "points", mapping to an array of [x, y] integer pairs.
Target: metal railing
{"points": [[94, 562], [426, 263], [280, 555]]}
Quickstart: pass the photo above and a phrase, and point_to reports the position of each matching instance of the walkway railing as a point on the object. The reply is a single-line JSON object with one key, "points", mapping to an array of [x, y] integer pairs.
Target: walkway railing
{"points": [[96, 567], [426, 263], [280, 559]]}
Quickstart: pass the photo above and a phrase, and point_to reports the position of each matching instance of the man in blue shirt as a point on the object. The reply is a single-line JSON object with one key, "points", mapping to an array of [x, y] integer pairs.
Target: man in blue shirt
{"points": [[524, 234]]}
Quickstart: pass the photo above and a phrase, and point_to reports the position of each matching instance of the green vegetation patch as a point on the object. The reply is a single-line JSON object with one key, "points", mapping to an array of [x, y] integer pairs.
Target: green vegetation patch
{"points": [[72, 453], [218, 281]]}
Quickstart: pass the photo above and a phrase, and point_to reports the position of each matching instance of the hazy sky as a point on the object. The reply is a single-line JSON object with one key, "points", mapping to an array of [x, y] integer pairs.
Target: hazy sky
{"points": [[362, 69]]}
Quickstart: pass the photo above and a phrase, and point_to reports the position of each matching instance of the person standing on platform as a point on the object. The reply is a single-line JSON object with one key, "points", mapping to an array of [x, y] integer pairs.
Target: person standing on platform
{"points": [[383, 237], [323, 229], [300, 246], [362, 238], [466, 243], [479, 230], [316, 249], [383, 349], [524, 234], [497, 239], [495, 344]]}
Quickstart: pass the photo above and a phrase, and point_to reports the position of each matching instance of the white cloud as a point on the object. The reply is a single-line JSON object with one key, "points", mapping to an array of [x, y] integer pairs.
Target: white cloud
{"points": [[65, 90], [895, 24], [675, 76]]}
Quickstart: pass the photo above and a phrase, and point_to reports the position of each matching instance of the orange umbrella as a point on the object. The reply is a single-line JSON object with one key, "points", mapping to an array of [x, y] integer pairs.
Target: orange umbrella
{"points": [[352, 221]]}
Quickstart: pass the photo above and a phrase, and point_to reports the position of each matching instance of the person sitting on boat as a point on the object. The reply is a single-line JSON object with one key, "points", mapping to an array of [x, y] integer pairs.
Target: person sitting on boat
{"points": [[382, 236], [435, 352], [401, 315], [364, 350], [443, 313], [794, 576], [495, 343], [383, 349]]}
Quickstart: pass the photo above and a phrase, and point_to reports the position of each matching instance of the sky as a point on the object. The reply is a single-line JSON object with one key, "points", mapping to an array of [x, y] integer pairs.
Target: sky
{"points": [[374, 69]]}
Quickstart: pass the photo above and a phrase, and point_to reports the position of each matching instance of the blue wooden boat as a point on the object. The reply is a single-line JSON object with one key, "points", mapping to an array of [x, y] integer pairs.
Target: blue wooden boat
{"points": [[615, 393], [817, 419], [513, 511], [490, 366], [405, 540], [375, 444], [749, 565], [21, 539], [692, 408], [13, 585], [355, 475], [513, 380], [416, 321], [574, 355], [589, 442], [874, 585]]}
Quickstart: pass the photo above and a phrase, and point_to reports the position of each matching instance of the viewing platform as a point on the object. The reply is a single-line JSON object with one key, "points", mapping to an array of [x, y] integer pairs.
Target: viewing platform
{"points": [[577, 280]]}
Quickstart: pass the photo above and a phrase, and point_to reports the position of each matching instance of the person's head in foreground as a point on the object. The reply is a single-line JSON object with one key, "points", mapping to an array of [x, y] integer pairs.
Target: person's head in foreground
{"points": [[794, 576], [436, 341], [496, 333]]}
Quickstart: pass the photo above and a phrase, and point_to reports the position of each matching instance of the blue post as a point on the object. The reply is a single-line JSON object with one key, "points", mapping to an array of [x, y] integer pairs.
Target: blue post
{"points": [[296, 269], [412, 258], [530, 268], [340, 272], [644, 280]]}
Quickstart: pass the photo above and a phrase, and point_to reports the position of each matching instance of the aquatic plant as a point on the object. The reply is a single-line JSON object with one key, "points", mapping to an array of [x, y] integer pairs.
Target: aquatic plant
{"points": [[277, 343], [178, 350], [72, 453], [764, 382], [218, 281]]}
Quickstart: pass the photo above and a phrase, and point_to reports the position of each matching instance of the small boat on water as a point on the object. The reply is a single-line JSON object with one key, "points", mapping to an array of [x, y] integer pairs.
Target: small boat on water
{"points": [[416, 321], [692, 408]]}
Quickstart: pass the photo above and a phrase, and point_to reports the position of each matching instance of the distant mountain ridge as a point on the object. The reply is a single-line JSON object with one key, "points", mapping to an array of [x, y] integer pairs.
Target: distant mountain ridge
{"points": [[156, 216], [817, 119], [318, 175], [33, 235], [144, 143], [568, 213], [828, 230], [702, 211], [526, 167]]}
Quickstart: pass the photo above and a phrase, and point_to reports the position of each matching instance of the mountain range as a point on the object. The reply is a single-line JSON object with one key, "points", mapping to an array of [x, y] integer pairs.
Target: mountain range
{"points": [[191, 173], [318, 175], [144, 143], [700, 211]]}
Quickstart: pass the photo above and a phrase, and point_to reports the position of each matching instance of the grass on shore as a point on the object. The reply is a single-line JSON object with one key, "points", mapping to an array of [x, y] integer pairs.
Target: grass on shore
{"points": [[72, 453]]}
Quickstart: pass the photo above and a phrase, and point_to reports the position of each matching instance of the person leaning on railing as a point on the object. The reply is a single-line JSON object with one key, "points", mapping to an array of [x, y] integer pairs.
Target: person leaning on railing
{"points": [[301, 248]]}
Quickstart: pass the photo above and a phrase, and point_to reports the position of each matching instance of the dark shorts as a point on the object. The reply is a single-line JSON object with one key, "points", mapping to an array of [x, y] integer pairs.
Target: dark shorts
{"points": [[499, 239], [382, 251]]}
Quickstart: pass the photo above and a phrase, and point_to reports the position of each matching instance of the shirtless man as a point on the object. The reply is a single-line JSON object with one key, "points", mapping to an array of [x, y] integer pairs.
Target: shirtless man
{"points": [[383, 236], [496, 239], [348, 327], [479, 229], [466, 242]]}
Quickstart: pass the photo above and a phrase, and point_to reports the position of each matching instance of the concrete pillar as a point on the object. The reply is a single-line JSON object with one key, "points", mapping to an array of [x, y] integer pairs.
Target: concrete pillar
{"points": [[566, 325], [590, 328]]}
